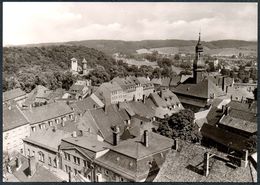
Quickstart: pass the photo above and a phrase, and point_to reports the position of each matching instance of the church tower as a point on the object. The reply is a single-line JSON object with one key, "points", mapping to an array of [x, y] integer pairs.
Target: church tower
{"points": [[74, 65], [198, 64]]}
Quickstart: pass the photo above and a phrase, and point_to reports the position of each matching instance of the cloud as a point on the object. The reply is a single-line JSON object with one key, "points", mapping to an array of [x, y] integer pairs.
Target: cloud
{"points": [[35, 22]]}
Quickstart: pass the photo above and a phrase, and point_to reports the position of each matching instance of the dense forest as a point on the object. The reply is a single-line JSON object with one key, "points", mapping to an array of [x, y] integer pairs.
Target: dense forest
{"points": [[26, 67]]}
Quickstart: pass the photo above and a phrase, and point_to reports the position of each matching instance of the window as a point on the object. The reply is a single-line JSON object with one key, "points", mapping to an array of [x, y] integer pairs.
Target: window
{"points": [[55, 163], [28, 152], [67, 168], [106, 172], [33, 153], [121, 179], [75, 171], [33, 129], [50, 123], [67, 156], [76, 160], [85, 163], [50, 161], [41, 157]]}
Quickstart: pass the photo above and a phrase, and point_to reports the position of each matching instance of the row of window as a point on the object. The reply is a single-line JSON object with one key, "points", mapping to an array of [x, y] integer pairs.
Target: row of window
{"points": [[41, 158], [76, 160]]}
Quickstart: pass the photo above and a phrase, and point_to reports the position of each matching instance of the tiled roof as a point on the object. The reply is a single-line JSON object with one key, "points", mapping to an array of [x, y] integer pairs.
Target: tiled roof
{"points": [[42, 174], [12, 94], [143, 80], [124, 83], [48, 138], [214, 115], [185, 77], [84, 105], [244, 125], [245, 107], [239, 92], [157, 81], [134, 148], [202, 89], [76, 87], [97, 100], [130, 157], [108, 118], [13, 118], [175, 80], [224, 137], [46, 112], [166, 81], [139, 108]]}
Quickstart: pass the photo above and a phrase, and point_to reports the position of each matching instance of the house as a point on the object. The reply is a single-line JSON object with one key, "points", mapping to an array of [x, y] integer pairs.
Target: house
{"points": [[48, 115], [79, 90], [79, 153], [16, 95], [15, 128], [239, 118], [110, 93], [147, 85], [196, 92], [44, 146], [133, 160], [38, 96]]}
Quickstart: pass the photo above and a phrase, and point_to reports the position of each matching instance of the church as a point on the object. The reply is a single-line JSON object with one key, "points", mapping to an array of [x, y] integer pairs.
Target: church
{"points": [[76, 68], [198, 91]]}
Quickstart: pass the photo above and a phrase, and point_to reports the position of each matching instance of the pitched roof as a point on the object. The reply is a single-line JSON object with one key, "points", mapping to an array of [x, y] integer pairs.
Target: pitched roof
{"points": [[48, 138], [157, 81], [144, 80], [13, 117], [42, 174], [125, 83], [202, 89], [84, 105], [224, 137], [46, 112], [166, 81], [106, 119], [12, 94], [134, 148], [175, 80], [239, 93]]}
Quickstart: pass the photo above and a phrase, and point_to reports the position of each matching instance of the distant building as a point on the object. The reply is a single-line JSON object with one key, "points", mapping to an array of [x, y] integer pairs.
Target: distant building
{"points": [[85, 67], [16, 95], [15, 128], [74, 65]]}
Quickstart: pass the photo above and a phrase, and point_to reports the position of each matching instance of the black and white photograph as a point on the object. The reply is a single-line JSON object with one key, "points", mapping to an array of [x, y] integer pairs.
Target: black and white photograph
{"points": [[129, 91]]}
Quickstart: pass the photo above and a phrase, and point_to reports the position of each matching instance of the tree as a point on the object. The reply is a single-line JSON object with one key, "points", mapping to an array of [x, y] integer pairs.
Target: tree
{"points": [[181, 125], [251, 143]]}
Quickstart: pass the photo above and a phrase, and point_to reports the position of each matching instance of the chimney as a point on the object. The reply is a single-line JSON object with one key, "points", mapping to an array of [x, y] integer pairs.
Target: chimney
{"points": [[54, 128], [223, 83], [146, 142], [223, 108], [18, 162], [227, 111], [116, 135], [32, 165], [74, 134], [226, 89]]}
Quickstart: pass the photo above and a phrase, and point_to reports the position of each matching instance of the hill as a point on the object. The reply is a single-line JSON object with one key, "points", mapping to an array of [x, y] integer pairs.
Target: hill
{"points": [[26, 67], [130, 47]]}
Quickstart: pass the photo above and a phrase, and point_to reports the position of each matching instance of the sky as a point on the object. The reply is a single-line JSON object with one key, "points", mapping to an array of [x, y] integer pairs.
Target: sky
{"points": [[41, 22]]}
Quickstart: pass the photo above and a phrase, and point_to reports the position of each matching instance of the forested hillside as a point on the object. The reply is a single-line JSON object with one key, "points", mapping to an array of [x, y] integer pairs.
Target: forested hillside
{"points": [[26, 67]]}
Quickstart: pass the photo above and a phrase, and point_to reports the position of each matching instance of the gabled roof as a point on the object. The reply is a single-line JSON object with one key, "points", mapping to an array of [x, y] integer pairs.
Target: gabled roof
{"points": [[13, 117], [46, 112], [82, 106], [166, 81], [48, 138], [175, 80], [75, 87], [12, 94], [144, 80], [106, 119]]}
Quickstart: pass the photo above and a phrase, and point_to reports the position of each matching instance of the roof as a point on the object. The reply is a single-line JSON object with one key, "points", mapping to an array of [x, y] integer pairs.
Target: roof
{"points": [[246, 107], [141, 109], [175, 80], [240, 93], [214, 115], [75, 87], [84, 105], [88, 145], [185, 77], [157, 81], [125, 83], [47, 112], [144, 80], [42, 174], [224, 137], [203, 89], [134, 148], [48, 138], [13, 118], [130, 158], [12, 94], [106, 119], [166, 81]]}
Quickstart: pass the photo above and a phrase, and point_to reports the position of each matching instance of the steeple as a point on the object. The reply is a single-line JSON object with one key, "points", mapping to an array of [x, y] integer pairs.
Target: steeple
{"points": [[198, 65]]}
